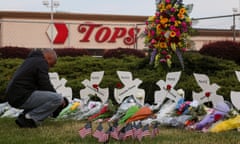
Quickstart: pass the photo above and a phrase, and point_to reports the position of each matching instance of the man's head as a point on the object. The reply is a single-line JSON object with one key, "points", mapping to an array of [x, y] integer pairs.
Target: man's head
{"points": [[50, 56]]}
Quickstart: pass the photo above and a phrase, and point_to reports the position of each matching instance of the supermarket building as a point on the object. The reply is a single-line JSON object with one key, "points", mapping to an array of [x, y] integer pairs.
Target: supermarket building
{"points": [[88, 31]]}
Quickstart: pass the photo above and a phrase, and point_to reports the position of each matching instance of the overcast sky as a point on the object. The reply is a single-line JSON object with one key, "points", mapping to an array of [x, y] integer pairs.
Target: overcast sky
{"points": [[202, 8]]}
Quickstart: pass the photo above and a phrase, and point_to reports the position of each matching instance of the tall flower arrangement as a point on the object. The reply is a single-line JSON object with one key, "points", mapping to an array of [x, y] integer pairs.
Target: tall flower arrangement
{"points": [[167, 31]]}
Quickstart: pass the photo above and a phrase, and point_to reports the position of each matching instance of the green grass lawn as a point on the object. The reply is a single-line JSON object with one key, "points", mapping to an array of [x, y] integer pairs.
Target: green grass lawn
{"points": [[66, 132]]}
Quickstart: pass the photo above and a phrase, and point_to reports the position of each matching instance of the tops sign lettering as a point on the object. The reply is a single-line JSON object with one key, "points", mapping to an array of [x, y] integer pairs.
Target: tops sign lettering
{"points": [[107, 34]]}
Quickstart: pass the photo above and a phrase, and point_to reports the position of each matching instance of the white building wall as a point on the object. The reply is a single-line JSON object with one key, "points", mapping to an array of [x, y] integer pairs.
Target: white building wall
{"points": [[32, 34]]}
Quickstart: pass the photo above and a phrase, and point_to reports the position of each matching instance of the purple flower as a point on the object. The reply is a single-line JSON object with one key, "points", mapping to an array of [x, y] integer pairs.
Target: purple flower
{"points": [[153, 54]]}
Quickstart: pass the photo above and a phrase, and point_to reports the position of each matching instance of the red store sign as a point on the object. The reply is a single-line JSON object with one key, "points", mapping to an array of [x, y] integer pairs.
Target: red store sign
{"points": [[103, 34]]}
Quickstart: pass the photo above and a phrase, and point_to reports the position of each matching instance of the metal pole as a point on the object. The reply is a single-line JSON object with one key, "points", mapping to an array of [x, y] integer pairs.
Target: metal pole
{"points": [[234, 30], [135, 37], [51, 24]]}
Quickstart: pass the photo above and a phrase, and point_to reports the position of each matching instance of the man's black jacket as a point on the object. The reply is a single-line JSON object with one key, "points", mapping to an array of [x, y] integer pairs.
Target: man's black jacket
{"points": [[30, 76]]}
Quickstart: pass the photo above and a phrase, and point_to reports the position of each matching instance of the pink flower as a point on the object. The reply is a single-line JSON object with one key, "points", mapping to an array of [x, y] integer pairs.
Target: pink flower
{"points": [[163, 60], [178, 33], [152, 33], [184, 49], [157, 14], [153, 41], [172, 19], [172, 28], [168, 1], [172, 9], [168, 56], [146, 22]]}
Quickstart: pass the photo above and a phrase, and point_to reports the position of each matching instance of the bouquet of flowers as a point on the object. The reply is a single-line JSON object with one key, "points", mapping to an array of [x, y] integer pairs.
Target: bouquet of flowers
{"points": [[168, 30]]}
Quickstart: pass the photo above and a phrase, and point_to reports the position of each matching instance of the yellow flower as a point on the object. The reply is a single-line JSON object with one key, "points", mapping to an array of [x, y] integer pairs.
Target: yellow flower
{"points": [[151, 18], [163, 45], [166, 25], [176, 23], [162, 10], [182, 11], [180, 44], [161, 6], [188, 19], [173, 46], [172, 34]]}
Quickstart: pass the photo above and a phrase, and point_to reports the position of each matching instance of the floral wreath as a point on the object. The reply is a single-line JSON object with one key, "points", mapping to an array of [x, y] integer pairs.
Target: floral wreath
{"points": [[167, 31]]}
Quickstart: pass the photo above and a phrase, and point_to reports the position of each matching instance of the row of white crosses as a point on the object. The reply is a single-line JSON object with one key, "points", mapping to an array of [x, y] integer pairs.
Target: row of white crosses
{"points": [[208, 93], [131, 88]]}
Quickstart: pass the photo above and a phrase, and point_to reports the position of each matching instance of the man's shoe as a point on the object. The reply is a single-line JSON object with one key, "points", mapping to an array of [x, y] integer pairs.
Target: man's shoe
{"points": [[23, 122], [60, 108]]}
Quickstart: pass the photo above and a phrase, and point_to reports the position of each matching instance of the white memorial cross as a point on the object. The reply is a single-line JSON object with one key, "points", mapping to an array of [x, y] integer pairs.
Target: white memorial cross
{"points": [[92, 88], [208, 93], [130, 88], [167, 88], [59, 85], [234, 95]]}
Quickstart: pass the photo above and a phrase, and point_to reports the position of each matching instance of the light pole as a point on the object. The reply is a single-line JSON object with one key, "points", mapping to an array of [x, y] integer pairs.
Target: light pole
{"points": [[52, 5], [235, 10]]}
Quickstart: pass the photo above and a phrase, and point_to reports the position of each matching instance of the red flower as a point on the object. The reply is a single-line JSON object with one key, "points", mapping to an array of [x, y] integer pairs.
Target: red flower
{"points": [[217, 117], [179, 112], [95, 86], [169, 87], [207, 94], [119, 85]]}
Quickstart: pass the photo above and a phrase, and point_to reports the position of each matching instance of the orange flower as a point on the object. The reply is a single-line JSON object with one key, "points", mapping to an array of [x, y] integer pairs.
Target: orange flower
{"points": [[182, 11], [172, 34], [163, 45], [164, 21], [181, 16], [169, 6]]}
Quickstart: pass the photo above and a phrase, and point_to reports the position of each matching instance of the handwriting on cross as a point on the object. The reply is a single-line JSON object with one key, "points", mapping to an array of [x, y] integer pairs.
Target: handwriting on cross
{"points": [[92, 88], [130, 88], [167, 88], [209, 91]]}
